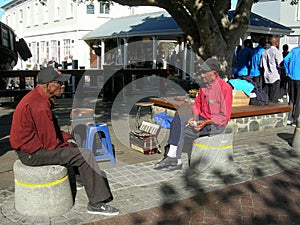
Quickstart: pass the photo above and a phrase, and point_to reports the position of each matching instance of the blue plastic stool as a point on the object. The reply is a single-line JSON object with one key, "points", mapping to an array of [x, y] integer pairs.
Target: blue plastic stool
{"points": [[106, 152]]}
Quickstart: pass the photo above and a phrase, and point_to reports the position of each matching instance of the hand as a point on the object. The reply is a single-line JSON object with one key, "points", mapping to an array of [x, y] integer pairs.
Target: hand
{"points": [[200, 125], [191, 122]]}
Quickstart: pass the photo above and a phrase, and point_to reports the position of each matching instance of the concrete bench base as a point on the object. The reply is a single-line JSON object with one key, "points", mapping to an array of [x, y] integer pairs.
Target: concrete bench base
{"points": [[42, 191], [213, 153]]}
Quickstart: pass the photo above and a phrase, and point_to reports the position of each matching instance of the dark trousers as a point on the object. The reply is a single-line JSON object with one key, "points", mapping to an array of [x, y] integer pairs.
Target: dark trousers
{"points": [[94, 181], [294, 99], [274, 91], [183, 136], [258, 80]]}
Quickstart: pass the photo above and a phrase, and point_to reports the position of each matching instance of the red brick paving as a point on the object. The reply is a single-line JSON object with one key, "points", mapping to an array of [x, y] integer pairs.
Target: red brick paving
{"points": [[271, 200]]}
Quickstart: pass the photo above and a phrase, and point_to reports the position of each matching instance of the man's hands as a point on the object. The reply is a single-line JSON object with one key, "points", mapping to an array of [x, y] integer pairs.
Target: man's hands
{"points": [[198, 125]]}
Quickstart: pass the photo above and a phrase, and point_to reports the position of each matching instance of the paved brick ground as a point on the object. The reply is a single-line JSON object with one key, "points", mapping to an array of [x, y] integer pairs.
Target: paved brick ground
{"points": [[270, 200], [261, 194]]}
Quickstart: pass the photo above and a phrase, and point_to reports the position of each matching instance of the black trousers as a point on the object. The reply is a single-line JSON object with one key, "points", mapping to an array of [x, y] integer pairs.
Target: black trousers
{"points": [[274, 91], [294, 99], [94, 180], [258, 80]]}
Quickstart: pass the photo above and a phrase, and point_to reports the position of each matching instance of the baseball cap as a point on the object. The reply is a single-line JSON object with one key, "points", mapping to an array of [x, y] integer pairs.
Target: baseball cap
{"points": [[49, 74], [209, 65]]}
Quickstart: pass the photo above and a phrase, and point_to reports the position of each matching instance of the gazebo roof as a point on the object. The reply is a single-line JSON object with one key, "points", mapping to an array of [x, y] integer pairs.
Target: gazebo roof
{"points": [[157, 23], [162, 24]]}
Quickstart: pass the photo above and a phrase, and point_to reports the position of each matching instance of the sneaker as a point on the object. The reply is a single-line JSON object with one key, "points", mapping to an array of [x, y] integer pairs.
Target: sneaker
{"points": [[173, 167], [165, 163], [79, 186], [280, 100], [288, 122], [102, 209]]}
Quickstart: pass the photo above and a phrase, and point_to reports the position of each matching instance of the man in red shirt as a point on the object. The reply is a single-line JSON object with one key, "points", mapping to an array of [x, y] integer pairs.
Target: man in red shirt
{"points": [[210, 115], [38, 140]]}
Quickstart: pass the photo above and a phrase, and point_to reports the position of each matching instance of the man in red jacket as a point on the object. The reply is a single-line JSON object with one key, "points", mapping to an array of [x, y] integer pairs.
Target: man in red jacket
{"points": [[38, 140], [210, 115]]}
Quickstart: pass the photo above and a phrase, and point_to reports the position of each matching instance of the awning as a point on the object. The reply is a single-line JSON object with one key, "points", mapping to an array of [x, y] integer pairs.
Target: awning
{"points": [[158, 23], [162, 24]]}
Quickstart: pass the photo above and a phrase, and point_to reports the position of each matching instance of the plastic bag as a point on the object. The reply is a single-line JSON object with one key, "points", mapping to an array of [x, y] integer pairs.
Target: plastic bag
{"points": [[163, 120]]}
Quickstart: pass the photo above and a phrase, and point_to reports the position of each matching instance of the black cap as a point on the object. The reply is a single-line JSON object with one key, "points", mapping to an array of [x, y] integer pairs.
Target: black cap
{"points": [[49, 74], [209, 65]]}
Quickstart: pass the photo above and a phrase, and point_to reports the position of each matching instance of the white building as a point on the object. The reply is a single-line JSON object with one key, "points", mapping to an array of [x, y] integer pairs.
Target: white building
{"points": [[55, 29], [284, 13]]}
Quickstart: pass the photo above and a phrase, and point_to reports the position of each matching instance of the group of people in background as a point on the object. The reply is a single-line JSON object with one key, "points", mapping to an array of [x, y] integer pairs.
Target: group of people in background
{"points": [[277, 73], [66, 63]]}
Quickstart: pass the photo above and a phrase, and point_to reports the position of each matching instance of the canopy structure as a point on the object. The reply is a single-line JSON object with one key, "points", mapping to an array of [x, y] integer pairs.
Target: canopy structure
{"points": [[151, 24], [161, 26]]}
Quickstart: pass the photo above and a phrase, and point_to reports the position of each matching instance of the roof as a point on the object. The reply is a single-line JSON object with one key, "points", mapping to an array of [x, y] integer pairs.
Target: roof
{"points": [[161, 23], [260, 24], [157, 23]]}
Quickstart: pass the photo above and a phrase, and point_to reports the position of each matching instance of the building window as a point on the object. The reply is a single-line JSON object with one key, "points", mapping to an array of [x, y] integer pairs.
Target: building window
{"points": [[28, 14], [14, 22], [36, 14], [104, 7], [298, 12], [57, 10], [43, 52], [67, 47], [70, 9], [45, 14], [21, 16], [33, 50], [54, 49], [90, 9]]}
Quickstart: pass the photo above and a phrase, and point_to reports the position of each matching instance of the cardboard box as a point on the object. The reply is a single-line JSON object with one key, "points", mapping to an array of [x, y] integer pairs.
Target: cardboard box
{"points": [[239, 98]]}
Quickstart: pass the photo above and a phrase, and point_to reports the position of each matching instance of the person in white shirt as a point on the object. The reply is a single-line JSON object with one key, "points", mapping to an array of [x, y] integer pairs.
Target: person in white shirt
{"points": [[271, 60]]}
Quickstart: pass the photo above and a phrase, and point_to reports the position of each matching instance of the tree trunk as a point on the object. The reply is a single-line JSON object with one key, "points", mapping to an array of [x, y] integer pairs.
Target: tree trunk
{"points": [[206, 25]]}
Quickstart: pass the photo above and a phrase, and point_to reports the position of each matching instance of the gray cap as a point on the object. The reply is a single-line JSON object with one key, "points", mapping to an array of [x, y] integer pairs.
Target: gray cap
{"points": [[49, 74], [209, 65]]}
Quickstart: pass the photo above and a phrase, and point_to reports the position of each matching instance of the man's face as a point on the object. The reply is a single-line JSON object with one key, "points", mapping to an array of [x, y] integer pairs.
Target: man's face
{"points": [[55, 89], [208, 77]]}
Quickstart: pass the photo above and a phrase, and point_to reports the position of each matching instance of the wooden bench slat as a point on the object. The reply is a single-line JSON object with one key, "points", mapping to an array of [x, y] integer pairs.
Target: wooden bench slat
{"points": [[237, 111], [254, 110]]}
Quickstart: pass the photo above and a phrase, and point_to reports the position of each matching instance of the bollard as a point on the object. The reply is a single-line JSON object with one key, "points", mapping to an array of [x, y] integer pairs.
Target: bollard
{"points": [[42, 191], [296, 137], [213, 153]]}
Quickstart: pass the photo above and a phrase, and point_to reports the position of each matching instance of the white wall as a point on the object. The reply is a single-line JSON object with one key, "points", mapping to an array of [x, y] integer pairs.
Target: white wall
{"points": [[285, 14], [53, 27]]}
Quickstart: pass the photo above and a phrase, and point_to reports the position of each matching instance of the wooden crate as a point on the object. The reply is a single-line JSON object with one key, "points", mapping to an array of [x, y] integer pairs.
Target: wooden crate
{"points": [[239, 98]]}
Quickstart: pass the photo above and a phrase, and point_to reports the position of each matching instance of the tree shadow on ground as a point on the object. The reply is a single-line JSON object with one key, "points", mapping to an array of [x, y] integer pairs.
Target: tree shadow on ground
{"points": [[270, 196], [286, 136]]}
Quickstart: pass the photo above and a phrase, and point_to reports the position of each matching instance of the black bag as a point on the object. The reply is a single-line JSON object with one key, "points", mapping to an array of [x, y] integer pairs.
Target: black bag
{"points": [[23, 49], [261, 98]]}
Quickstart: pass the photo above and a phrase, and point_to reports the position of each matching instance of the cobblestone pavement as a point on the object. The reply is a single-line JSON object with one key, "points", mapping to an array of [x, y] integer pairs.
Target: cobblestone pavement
{"points": [[263, 188]]}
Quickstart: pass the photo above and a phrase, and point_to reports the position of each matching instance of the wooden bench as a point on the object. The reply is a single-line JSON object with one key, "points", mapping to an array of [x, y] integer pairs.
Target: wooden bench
{"points": [[255, 110], [237, 111], [243, 118]]}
